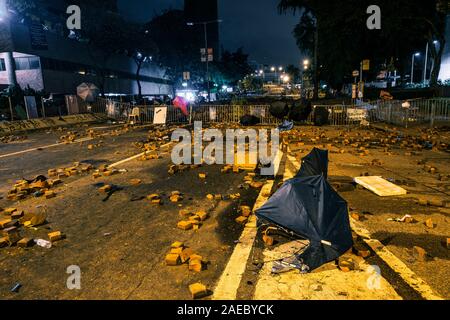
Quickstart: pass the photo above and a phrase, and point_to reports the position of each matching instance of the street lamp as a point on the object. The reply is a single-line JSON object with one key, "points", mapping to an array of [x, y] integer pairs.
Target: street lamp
{"points": [[205, 23], [412, 65]]}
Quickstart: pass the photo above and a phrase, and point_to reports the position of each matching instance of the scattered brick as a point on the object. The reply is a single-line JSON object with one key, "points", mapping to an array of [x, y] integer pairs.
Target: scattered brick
{"points": [[429, 223], [9, 211], [184, 213], [246, 211], [241, 220], [203, 215], [195, 265], [420, 254], [135, 182], [186, 254], [198, 291], [12, 235], [106, 188], [268, 240], [25, 243], [185, 225], [172, 259], [3, 242], [17, 215], [202, 175], [55, 236], [49, 194], [210, 197], [177, 244]]}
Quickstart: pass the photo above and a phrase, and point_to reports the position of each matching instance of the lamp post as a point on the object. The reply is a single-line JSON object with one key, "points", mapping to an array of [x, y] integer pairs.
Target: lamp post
{"points": [[205, 23], [412, 65]]}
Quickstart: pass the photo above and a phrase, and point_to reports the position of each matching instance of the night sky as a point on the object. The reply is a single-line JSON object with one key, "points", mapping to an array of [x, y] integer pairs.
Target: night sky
{"points": [[252, 24]]}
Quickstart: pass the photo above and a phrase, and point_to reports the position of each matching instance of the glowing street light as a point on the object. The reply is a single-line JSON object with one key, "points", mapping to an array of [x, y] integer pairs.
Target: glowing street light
{"points": [[272, 69], [417, 54]]}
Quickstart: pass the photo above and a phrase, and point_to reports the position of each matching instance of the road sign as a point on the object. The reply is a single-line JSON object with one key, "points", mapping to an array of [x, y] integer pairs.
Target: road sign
{"points": [[186, 75], [366, 65], [355, 73], [207, 56]]}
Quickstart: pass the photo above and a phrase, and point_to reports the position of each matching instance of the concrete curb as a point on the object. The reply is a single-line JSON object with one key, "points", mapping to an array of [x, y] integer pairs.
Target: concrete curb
{"points": [[15, 127]]}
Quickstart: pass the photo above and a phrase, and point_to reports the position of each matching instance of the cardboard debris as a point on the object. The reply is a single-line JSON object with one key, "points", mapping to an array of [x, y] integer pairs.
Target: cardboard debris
{"points": [[380, 186]]}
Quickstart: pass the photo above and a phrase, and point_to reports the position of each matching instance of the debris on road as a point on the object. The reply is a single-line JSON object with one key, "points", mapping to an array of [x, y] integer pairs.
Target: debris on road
{"points": [[380, 186], [198, 291], [419, 254], [405, 219], [43, 243]]}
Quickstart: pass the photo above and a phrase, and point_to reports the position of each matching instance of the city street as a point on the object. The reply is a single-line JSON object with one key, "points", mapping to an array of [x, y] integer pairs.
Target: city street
{"points": [[120, 239]]}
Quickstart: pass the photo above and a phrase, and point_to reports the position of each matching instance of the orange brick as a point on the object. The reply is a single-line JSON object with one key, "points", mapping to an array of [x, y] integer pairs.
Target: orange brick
{"points": [[3, 242], [185, 225], [268, 240], [176, 250], [246, 211], [195, 265], [9, 211], [198, 291], [186, 254], [172, 259], [105, 189], [203, 215], [177, 244], [25, 242], [241, 220], [419, 253], [6, 223], [135, 182], [429, 223], [202, 175], [184, 213], [55, 236], [210, 197]]}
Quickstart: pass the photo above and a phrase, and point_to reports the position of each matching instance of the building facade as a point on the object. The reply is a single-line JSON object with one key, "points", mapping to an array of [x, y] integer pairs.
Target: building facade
{"points": [[37, 53]]}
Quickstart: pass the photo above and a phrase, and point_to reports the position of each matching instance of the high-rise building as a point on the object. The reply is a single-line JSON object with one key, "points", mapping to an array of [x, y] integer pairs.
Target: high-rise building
{"points": [[198, 11]]}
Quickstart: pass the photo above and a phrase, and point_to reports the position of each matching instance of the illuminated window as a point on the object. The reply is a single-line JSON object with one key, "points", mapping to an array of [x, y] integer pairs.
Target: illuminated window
{"points": [[27, 63]]}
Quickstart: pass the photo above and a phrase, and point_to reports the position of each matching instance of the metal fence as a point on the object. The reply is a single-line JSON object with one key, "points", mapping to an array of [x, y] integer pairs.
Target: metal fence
{"points": [[205, 113], [400, 113], [417, 112]]}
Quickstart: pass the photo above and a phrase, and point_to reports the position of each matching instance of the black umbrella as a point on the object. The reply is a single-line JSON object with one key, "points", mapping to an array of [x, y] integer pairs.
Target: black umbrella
{"points": [[314, 164], [311, 209]]}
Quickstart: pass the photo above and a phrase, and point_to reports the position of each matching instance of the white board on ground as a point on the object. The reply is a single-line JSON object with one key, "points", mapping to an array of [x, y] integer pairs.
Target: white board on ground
{"points": [[160, 115], [380, 186]]}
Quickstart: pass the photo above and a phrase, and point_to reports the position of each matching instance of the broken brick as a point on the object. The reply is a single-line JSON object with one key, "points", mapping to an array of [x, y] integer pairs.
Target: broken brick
{"points": [[202, 175], [246, 211], [106, 188], [210, 197], [25, 242], [135, 182], [6, 223], [3, 242], [176, 250], [184, 213], [203, 215], [12, 235], [55, 236], [17, 215], [176, 198], [241, 220], [346, 265], [257, 185], [420, 254], [177, 244], [195, 265], [268, 240], [429, 223], [198, 290], [355, 216], [9, 211], [185, 225], [218, 197], [361, 252], [172, 259], [49, 194], [186, 254]]}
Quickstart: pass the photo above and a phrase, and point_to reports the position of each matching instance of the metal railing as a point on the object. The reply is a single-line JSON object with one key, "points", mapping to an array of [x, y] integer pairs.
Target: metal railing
{"points": [[421, 111]]}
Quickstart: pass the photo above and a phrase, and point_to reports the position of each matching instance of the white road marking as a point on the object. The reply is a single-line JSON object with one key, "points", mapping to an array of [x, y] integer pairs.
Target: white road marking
{"points": [[42, 147], [136, 156], [231, 277]]}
